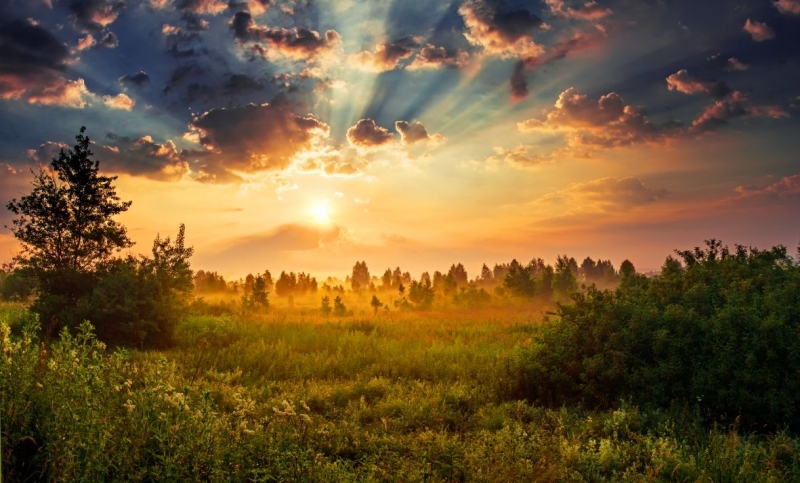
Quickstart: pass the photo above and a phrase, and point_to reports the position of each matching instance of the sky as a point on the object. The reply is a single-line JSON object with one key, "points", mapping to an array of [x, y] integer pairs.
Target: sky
{"points": [[306, 135]]}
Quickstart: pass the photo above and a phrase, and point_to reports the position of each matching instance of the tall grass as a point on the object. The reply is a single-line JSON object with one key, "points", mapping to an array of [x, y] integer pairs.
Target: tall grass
{"points": [[295, 396]]}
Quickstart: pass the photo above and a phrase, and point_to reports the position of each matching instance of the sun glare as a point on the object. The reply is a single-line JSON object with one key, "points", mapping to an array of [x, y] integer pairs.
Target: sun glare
{"points": [[321, 212]]}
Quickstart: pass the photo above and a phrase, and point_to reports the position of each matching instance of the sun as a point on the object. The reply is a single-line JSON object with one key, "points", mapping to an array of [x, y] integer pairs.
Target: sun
{"points": [[321, 212]]}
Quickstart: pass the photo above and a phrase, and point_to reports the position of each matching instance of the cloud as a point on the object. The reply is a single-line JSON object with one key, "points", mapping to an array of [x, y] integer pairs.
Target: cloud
{"points": [[138, 79], [607, 122], [286, 238], [135, 156], [432, 57], [368, 135], [578, 42], [296, 43], [109, 41], [387, 56], [255, 7], [519, 157], [502, 33], [181, 42], [719, 113], [201, 7], [788, 7], [330, 161], [256, 137], [61, 92], [144, 157], [786, 187], [588, 11], [32, 64], [86, 42], [719, 62], [681, 81], [120, 101], [46, 152], [605, 195], [759, 31], [94, 15], [182, 73], [415, 132]]}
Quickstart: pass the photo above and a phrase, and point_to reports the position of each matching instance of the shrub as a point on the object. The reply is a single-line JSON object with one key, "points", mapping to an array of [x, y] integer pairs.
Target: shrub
{"points": [[720, 335]]}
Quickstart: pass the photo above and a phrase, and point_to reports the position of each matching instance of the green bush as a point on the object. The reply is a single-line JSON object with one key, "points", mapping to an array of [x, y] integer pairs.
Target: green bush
{"points": [[720, 335]]}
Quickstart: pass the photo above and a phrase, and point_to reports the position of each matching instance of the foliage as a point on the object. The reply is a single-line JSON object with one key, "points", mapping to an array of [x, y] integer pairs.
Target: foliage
{"points": [[375, 303], [339, 309], [472, 297], [360, 278], [139, 301], [257, 295], [421, 294], [720, 335], [424, 397], [16, 285], [66, 228], [289, 284], [325, 306]]}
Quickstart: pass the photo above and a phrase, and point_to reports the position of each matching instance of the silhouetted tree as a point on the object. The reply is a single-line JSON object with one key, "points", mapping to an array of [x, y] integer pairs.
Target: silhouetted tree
{"points": [[66, 228], [519, 280], [564, 282], [421, 294], [325, 306], [376, 304], [486, 274], [459, 274], [386, 280], [339, 308], [360, 278]]}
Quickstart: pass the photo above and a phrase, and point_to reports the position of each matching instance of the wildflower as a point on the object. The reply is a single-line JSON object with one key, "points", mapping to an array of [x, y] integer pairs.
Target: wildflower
{"points": [[129, 406], [39, 385]]}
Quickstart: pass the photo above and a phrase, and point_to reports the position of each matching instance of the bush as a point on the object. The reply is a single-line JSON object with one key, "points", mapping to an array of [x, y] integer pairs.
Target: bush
{"points": [[720, 335]]}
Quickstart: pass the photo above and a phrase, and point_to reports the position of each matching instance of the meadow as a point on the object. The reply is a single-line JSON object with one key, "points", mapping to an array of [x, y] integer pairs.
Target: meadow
{"points": [[293, 395]]}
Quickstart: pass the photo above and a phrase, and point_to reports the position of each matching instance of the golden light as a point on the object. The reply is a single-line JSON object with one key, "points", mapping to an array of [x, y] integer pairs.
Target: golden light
{"points": [[321, 212]]}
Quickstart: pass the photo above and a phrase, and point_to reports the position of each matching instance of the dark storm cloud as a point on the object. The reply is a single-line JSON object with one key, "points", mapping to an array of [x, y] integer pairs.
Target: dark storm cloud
{"points": [[32, 62], [138, 79], [94, 15], [300, 43], [500, 31], [30, 51], [256, 137]]}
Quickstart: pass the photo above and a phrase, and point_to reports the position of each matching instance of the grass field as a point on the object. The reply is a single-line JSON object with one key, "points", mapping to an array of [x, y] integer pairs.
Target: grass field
{"points": [[291, 395]]}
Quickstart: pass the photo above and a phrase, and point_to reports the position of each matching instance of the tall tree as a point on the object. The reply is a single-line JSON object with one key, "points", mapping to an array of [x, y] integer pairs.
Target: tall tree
{"points": [[66, 227], [66, 222]]}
